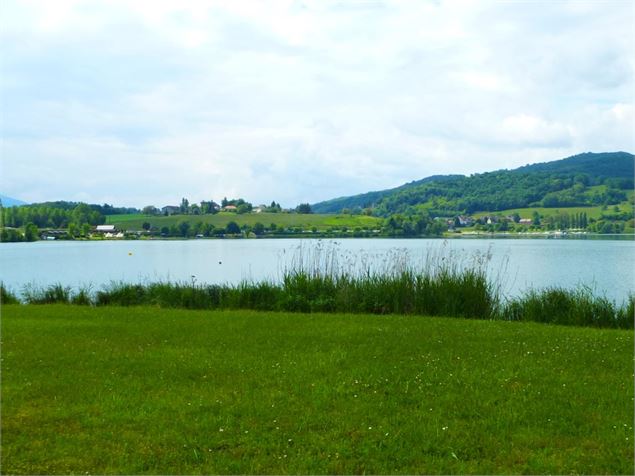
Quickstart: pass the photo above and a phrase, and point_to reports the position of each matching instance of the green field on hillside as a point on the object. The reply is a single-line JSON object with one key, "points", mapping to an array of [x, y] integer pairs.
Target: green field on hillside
{"points": [[145, 390], [286, 220], [592, 212]]}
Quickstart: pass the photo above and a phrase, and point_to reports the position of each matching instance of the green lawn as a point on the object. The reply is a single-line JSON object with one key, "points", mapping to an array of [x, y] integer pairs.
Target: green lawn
{"points": [[145, 390], [321, 221]]}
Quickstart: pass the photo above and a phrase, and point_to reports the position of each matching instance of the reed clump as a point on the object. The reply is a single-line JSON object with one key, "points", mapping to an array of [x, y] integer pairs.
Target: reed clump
{"points": [[578, 307], [7, 296]]}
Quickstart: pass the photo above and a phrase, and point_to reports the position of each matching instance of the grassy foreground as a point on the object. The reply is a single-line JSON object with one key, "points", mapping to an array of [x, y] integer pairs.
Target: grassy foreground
{"points": [[147, 390]]}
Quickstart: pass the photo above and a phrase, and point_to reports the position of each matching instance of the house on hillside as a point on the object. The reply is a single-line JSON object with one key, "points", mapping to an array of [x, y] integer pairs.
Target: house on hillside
{"points": [[230, 208], [171, 210], [525, 221], [465, 220]]}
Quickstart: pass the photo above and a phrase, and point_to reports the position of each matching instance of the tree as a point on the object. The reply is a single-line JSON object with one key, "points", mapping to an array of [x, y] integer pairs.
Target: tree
{"points": [[210, 207], [30, 232], [583, 220], [243, 208], [208, 228], [258, 229], [10, 235], [232, 228], [183, 228], [149, 210], [536, 219], [185, 205], [304, 208], [73, 230], [274, 207], [146, 225]]}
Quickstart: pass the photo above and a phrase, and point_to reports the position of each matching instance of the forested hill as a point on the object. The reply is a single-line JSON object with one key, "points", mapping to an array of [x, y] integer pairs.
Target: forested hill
{"points": [[584, 179], [370, 199]]}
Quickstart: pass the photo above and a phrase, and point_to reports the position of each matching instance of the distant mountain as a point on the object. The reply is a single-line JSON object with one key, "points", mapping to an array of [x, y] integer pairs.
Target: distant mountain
{"points": [[572, 181], [10, 202]]}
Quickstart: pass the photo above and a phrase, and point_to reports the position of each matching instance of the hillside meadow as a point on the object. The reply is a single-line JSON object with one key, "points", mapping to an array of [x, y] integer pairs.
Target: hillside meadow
{"points": [[145, 390], [591, 211], [220, 220]]}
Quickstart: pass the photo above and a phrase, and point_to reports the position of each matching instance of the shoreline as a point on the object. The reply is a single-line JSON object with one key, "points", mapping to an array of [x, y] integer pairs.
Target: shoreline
{"points": [[545, 235]]}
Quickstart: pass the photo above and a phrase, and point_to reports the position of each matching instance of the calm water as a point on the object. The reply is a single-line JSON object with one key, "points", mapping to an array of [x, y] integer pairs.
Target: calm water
{"points": [[604, 265]]}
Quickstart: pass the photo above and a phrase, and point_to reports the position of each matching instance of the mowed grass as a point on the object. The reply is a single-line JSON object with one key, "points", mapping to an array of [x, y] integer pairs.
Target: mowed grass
{"points": [[285, 220], [147, 390]]}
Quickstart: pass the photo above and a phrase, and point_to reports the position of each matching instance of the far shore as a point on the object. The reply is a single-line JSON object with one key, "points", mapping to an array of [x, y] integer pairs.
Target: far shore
{"points": [[310, 236]]}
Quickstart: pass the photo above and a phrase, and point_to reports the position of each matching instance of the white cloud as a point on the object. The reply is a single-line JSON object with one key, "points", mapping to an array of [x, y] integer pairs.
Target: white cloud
{"points": [[524, 129], [623, 113], [146, 101], [484, 81]]}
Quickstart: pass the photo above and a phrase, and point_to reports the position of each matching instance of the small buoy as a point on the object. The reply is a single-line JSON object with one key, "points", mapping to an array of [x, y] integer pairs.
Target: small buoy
{"points": [[129, 253], [220, 262]]}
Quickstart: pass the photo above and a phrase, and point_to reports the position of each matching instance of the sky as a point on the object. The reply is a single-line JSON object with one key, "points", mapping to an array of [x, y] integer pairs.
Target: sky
{"points": [[143, 102]]}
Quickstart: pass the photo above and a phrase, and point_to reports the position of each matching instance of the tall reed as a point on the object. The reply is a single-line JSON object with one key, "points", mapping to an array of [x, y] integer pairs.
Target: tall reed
{"points": [[7, 296]]}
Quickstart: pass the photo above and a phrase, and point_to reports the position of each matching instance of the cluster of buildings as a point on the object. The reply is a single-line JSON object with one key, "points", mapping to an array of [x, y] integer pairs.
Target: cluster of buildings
{"points": [[107, 231], [174, 210], [464, 220]]}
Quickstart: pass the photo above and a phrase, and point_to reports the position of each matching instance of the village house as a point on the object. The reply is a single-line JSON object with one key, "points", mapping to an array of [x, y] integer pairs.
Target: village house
{"points": [[525, 221], [489, 219], [171, 210], [230, 208], [465, 220]]}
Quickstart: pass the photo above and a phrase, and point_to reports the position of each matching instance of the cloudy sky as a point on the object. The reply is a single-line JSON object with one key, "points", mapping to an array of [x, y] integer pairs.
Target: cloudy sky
{"points": [[139, 102]]}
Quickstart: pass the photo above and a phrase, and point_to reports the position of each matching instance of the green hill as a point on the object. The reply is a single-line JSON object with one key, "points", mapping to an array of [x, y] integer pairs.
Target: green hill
{"points": [[570, 182], [369, 199]]}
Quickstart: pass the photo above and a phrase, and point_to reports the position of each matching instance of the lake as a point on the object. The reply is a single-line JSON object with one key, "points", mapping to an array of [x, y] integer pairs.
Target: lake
{"points": [[518, 264]]}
